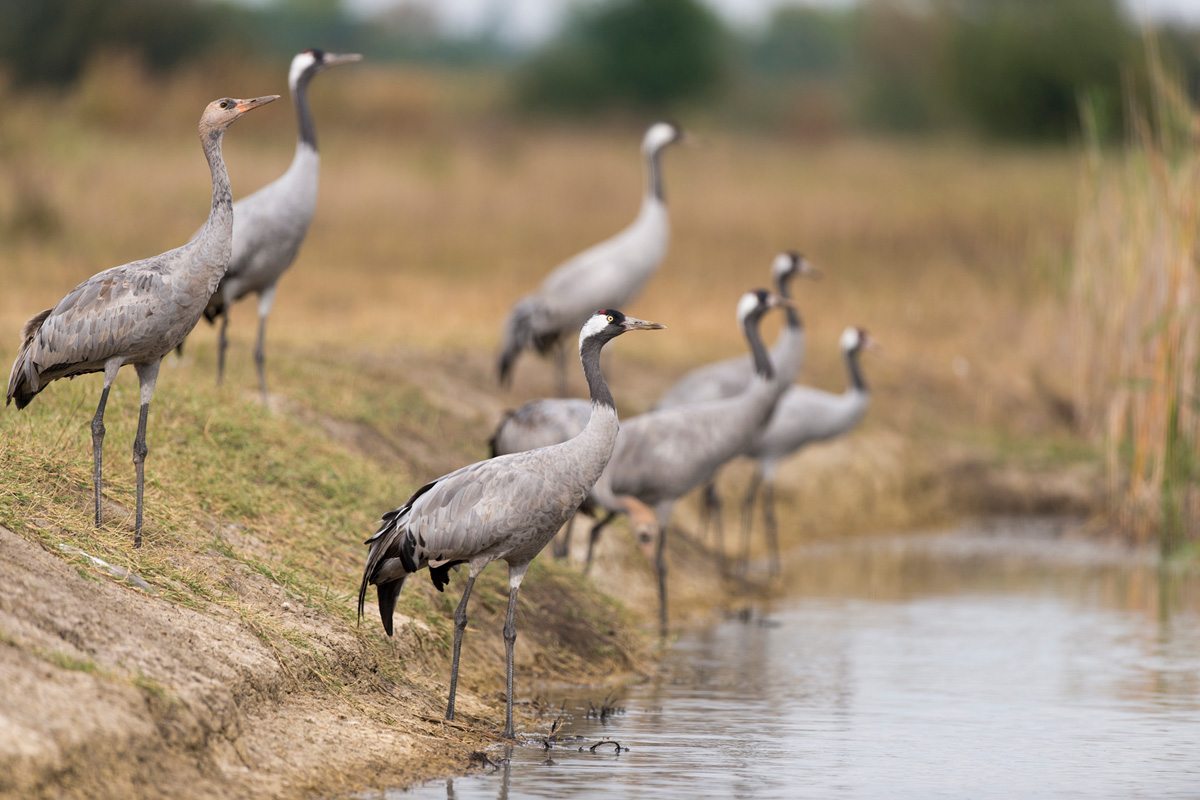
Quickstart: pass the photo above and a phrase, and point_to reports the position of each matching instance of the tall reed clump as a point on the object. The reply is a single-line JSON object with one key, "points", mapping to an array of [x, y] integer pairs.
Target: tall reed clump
{"points": [[1135, 317]]}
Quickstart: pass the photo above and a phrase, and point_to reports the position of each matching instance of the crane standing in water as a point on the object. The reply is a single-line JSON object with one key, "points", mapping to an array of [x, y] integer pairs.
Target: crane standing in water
{"points": [[662, 455], [804, 415], [508, 507]]}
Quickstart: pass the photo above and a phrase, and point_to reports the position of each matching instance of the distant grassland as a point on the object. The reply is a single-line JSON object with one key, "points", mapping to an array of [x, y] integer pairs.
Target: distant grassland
{"points": [[433, 220]]}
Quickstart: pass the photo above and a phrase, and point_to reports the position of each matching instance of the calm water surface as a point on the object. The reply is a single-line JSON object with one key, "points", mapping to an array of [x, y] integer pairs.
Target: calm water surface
{"points": [[995, 662]]}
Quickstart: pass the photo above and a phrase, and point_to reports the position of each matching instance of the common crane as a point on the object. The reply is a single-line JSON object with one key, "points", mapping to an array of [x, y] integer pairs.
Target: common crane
{"points": [[135, 313], [506, 508], [609, 274], [803, 415], [269, 225]]}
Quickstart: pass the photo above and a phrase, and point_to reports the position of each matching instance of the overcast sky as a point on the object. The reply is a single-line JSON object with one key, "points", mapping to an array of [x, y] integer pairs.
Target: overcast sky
{"points": [[530, 21]]}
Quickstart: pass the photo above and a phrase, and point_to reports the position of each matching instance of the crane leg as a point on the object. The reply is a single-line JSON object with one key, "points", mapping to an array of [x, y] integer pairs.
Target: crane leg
{"points": [[561, 547], [147, 376], [748, 518], [712, 515], [222, 344], [593, 536], [460, 625], [265, 301], [560, 367], [515, 575], [98, 444], [660, 565], [769, 521]]}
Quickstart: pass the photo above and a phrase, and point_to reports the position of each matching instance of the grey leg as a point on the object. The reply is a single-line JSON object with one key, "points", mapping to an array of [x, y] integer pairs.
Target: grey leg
{"points": [[265, 300], [260, 358], [772, 528], [98, 446], [139, 465], [560, 367], [748, 518], [460, 625], [593, 536], [561, 548], [222, 343], [660, 565], [510, 637], [147, 376], [712, 513]]}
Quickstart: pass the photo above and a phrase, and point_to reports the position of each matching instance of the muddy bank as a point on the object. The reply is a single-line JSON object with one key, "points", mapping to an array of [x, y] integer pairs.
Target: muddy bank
{"points": [[212, 671]]}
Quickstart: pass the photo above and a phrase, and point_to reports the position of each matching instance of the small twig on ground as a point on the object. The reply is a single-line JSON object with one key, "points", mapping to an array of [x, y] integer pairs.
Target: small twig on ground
{"points": [[607, 741], [480, 759]]}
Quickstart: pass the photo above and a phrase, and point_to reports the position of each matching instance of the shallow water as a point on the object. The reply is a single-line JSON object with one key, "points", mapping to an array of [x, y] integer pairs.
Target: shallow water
{"points": [[1000, 662]]}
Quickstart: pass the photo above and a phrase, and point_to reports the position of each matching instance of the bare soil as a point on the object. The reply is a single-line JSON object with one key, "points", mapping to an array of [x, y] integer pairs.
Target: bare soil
{"points": [[109, 690]]}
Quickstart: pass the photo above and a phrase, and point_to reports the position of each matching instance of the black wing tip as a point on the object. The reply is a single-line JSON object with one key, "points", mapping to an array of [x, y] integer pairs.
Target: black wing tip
{"points": [[388, 592], [23, 398], [504, 367]]}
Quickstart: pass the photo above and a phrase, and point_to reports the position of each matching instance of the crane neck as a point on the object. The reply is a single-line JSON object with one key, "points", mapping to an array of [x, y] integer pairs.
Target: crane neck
{"points": [[854, 370], [762, 361], [304, 117], [654, 178], [589, 354], [783, 284], [220, 216]]}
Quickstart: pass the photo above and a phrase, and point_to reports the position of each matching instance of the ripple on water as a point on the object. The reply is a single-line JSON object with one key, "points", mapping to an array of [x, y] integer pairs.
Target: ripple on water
{"points": [[978, 664]]}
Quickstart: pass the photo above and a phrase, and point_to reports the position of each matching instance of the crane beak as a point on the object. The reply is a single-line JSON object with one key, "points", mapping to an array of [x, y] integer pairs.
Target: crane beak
{"points": [[807, 270], [245, 105], [333, 59], [871, 344], [634, 324], [780, 302]]}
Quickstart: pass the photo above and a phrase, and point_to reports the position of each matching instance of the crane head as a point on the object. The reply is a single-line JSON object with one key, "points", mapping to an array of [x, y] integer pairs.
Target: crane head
{"points": [[855, 339], [313, 60], [661, 134], [790, 264], [220, 114], [608, 323]]}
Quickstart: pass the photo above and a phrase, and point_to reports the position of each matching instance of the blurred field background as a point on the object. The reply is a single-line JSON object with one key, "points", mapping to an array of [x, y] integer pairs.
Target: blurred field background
{"points": [[930, 158]]}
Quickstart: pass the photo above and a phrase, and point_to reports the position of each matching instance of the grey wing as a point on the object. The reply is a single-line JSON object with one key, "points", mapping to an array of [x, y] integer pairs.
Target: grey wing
{"points": [[709, 382], [267, 233], [121, 311], [665, 454], [806, 415], [480, 508], [540, 423]]}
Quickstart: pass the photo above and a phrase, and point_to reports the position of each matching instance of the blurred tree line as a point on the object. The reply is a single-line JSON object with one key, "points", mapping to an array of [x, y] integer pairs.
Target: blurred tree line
{"points": [[1011, 69]]}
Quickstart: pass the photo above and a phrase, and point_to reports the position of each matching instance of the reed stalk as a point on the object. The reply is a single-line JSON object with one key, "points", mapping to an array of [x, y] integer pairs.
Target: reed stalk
{"points": [[1133, 313]]}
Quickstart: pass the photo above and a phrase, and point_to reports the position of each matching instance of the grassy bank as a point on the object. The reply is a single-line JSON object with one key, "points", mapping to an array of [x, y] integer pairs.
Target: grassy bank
{"points": [[380, 360]]}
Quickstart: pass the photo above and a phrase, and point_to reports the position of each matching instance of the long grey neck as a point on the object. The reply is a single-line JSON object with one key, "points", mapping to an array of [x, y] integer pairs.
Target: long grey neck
{"points": [[854, 371], [220, 216], [654, 180], [784, 284], [308, 129], [762, 361], [589, 354]]}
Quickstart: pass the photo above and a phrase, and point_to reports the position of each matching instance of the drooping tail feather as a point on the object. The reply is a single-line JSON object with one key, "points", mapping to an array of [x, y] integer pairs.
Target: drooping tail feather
{"points": [[390, 561], [518, 335], [215, 307], [495, 440], [23, 382]]}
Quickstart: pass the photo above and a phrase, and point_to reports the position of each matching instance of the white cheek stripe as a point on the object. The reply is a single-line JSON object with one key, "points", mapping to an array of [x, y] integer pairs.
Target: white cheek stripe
{"points": [[300, 63]]}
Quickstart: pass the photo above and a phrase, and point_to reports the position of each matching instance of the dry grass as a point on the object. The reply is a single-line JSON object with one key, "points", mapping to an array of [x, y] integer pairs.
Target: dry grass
{"points": [[435, 216], [1134, 316]]}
